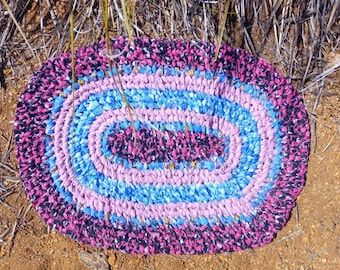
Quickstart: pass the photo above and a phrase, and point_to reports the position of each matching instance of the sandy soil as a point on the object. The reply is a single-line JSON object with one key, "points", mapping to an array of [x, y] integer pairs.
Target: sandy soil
{"points": [[311, 239]]}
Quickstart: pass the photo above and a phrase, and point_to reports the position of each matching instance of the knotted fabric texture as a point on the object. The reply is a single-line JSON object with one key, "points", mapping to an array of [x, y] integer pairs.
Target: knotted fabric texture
{"points": [[167, 151]]}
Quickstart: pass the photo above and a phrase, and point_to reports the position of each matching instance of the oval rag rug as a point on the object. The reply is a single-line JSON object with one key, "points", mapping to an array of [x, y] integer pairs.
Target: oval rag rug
{"points": [[165, 150]]}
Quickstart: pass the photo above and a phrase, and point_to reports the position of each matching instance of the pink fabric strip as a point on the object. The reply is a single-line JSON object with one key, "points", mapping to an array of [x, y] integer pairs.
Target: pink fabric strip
{"points": [[129, 209], [171, 177]]}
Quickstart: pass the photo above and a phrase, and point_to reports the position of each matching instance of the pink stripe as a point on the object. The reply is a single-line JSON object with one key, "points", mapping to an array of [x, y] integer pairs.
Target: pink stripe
{"points": [[128, 209], [170, 177]]}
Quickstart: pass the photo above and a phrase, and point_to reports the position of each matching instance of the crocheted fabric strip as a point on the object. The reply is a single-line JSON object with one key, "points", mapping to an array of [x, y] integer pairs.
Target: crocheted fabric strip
{"points": [[168, 151]]}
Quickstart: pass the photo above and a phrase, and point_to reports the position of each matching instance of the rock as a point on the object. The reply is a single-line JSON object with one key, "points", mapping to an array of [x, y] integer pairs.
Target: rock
{"points": [[94, 260], [112, 260]]}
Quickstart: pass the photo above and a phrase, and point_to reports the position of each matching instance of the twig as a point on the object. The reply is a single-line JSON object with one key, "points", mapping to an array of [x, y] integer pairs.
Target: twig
{"points": [[221, 27], [205, 32], [332, 139], [8, 168], [9, 192], [4, 234], [297, 216], [8, 147], [317, 253], [332, 16], [323, 75], [19, 29], [289, 236], [15, 230], [240, 11]]}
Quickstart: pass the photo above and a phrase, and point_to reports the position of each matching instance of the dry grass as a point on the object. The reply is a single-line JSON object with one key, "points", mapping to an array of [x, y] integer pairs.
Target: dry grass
{"points": [[296, 36], [9, 181], [9, 177]]}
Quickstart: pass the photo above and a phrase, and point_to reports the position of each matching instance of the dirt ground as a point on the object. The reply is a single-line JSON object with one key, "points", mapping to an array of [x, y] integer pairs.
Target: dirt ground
{"points": [[311, 239]]}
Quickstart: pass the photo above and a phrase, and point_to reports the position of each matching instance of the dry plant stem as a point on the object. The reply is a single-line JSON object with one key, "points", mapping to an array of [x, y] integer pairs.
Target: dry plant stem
{"points": [[127, 22], [184, 13], [73, 75], [109, 54], [205, 32], [8, 173], [323, 75], [121, 17], [312, 124], [240, 11], [290, 235], [276, 34], [29, 207], [332, 18], [9, 191], [7, 148], [12, 179], [19, 221], [313, 255], [42, 28], [5, 203], [107, 35], [5, 34], [8, 168], [4, 234], [8, 32], [15, 230], [297, 216], [128, 106], [320, 87], [331, 140], [53, 16], [20, 30], [172, 23], [221, 28]]}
